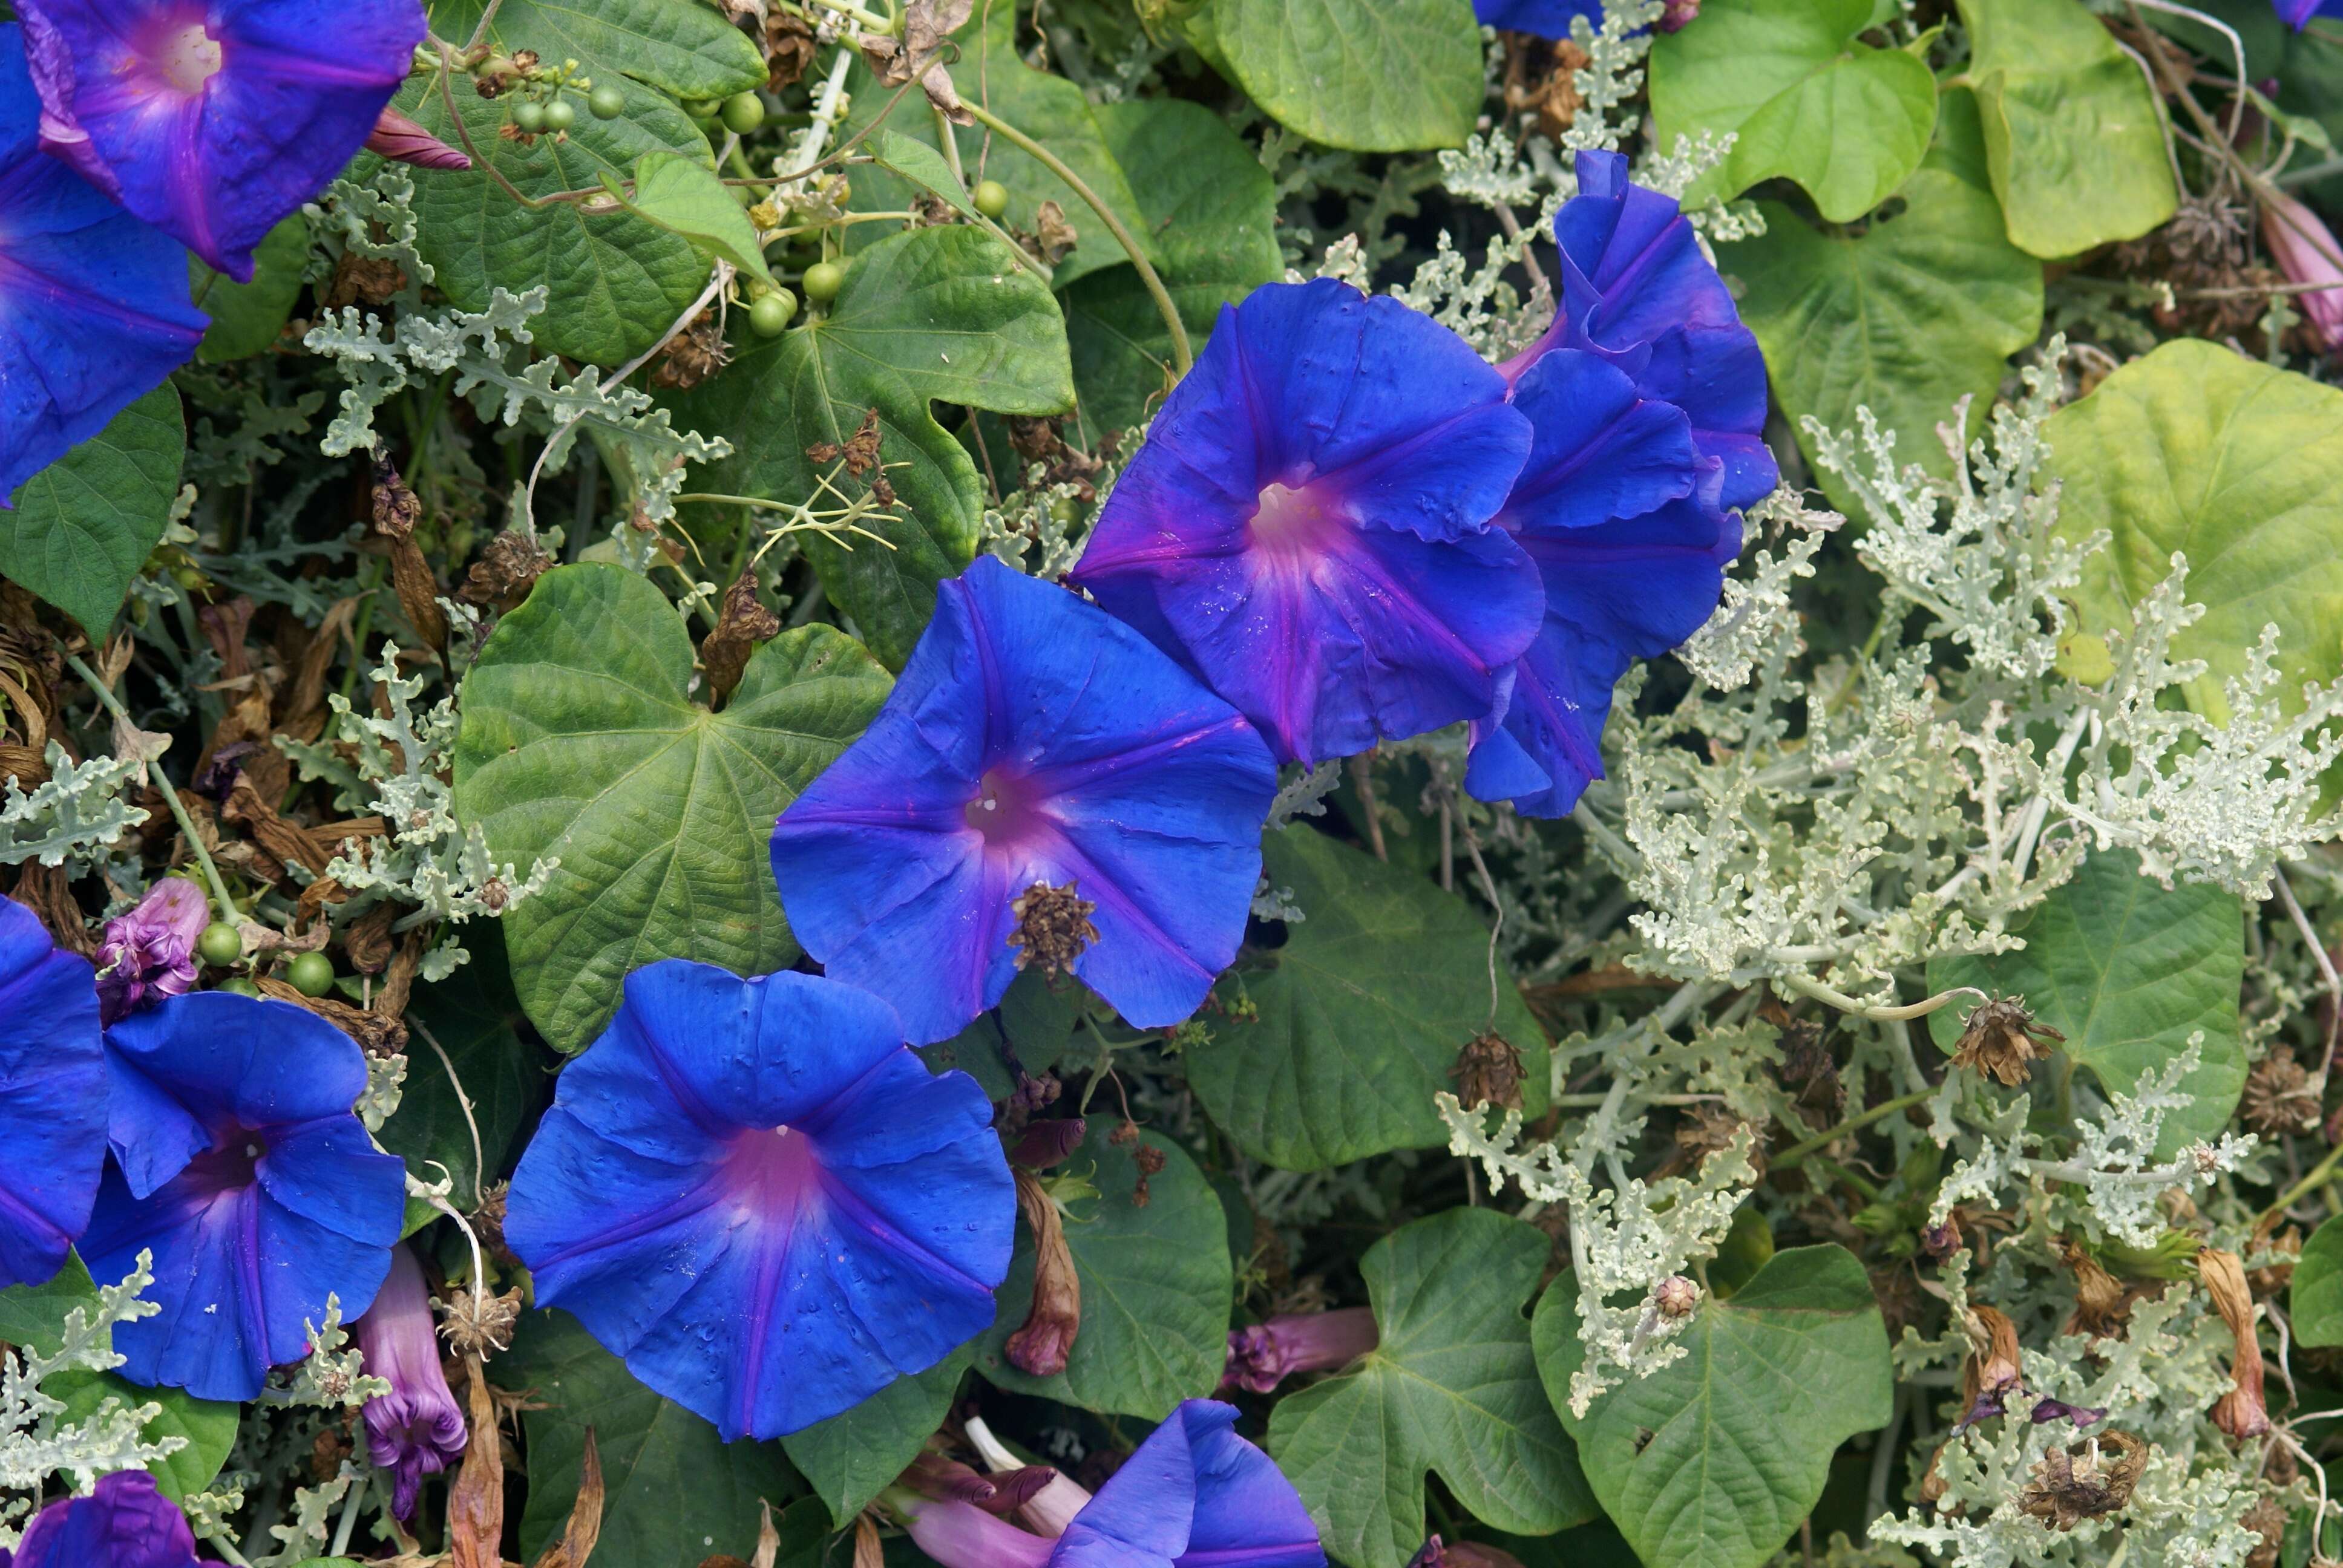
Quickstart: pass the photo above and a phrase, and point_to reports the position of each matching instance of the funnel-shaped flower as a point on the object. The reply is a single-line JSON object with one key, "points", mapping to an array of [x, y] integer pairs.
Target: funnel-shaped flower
{"points": [[237, 1161], [124, 1522], [1041, 784], [1193, 1495], [2298, 12], [93, 308], [52, 1099], [1263, 1355], [211, 119], [1307, 525], [1638, 289], [1545, 18], [1622, 516], [754, 1194], [416, 1430], [2308, 252], [149, 951]]}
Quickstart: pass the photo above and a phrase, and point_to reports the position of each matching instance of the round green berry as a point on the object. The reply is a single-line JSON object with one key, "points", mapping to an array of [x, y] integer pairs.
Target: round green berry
{"points": [[529, 116], [560, 114], [703, 108], [743, 112], [991, 199], [311, 974], [823, 279], [239, 985], [221, 944], [771, 314], [606, 102]]}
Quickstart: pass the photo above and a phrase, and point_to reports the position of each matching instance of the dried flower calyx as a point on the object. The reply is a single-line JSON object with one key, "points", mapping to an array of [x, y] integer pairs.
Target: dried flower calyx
{"points": [[1053, 927], [1488, 1071], [2001, 1038], [2088, 1480], [2241, 1412]]}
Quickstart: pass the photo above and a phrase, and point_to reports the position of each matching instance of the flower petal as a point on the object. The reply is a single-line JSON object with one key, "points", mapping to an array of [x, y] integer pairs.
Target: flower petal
{"points": [[51, 1098], [1194, 1492]]}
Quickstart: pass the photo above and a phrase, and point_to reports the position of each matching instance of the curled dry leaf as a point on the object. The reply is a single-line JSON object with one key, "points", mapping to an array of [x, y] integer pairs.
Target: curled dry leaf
{"points": [[1041, 1346]]}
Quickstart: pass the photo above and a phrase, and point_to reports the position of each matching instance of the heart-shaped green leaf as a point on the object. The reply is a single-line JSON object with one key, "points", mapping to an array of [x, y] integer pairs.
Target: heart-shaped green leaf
{"points": [[1358, 1017], [247, 316], [850, 1457], [85, 525], [932, 315], [2199, 450], [1710, 1462], [580, 741], [2127, 970], [1920, 310], [684, 197], [1156, 1285], [207, 1425], [2315, 1296], [2074, 136], [1391, 76], [1804, 98], [1453, 1387]]}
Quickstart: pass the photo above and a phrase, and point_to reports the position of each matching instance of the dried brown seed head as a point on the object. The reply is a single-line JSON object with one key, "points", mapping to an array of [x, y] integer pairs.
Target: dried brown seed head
{"points": [[1053, 927], [2000, 1040]]}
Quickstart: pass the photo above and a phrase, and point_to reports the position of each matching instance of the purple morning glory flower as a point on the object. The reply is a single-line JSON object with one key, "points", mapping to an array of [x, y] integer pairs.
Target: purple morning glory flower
{"points": [[149, 952], [1638, 291], [94, 310], [124, 1522], [754, 1194], [237, 1163], [1264, 1354], [1193, 1495], [1307, 525], [1043, 786], [51, 1098], [1623, 516], [212, 119], [1544, 18], [415, 1430], [2298, 13]]}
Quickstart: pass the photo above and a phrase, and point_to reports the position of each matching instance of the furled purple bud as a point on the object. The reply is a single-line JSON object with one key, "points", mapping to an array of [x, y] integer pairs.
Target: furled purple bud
{"points": [[396, 137], [963, 1535], [415, 1430], [1045, 1143], [1679, 13], [1262, 1356], [2050, 1409], [2306, 250], [149, 953]]}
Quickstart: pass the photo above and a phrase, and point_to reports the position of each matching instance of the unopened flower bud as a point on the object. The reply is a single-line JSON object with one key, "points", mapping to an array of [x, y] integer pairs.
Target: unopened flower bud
{"points": [[1676, 1296], [396, 137], [1266, 1354], [149, 953], [416, 1430]]}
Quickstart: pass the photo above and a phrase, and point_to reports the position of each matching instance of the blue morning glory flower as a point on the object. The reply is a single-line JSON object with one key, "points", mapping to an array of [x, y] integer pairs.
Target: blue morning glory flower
{"points": [[2298, 12], [1545, 18], [212, 119], [1638, 291], [1193, 1495], [51, 1098], [1307, 525], [237, 1163], [126, 1522], [94, 310], [750, 1191], [1043, 787], [1624, 518]]}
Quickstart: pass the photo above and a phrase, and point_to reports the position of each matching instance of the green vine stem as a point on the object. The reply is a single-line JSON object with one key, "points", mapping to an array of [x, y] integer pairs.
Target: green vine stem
{"points": [[163, 786], [1183, 356]]}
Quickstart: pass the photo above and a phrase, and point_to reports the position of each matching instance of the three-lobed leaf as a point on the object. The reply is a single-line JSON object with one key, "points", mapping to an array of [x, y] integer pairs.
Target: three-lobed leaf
{"points": [[1453, 1388], [2075, 138], [1361, 1014], [2127, 970], [2197, 450], [1712, 1461], [929, 315], [581, 741], [84, 526], [674, 1493], [1804, 98], [1920, 310], [1155, 1280]]}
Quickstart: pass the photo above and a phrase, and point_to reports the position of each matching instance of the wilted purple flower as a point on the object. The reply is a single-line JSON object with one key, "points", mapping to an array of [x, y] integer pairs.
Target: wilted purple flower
{"points": [[394, 136], [1194, 1495], [1638, 292], [1307, 525], [94, 310], [124, 1522], [754, 1194], [1042, 786], [1266, 1354], [2307, 251], [415, 1430], [51, 1098], [239, 1165], [211, 119], [1680, 14], [2050, 1409], [1545, 18], [2298, 12], [149, 952]]}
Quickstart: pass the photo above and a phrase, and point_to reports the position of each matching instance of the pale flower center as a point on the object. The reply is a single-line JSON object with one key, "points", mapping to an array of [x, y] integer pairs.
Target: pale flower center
{"points": [[189, 58], [1294, 520]]}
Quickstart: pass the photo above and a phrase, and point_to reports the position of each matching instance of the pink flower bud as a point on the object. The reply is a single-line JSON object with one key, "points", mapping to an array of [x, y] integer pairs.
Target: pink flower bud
{"points": [[396, 137], [1265, 1355], [149, 953], [415, 1430]]}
